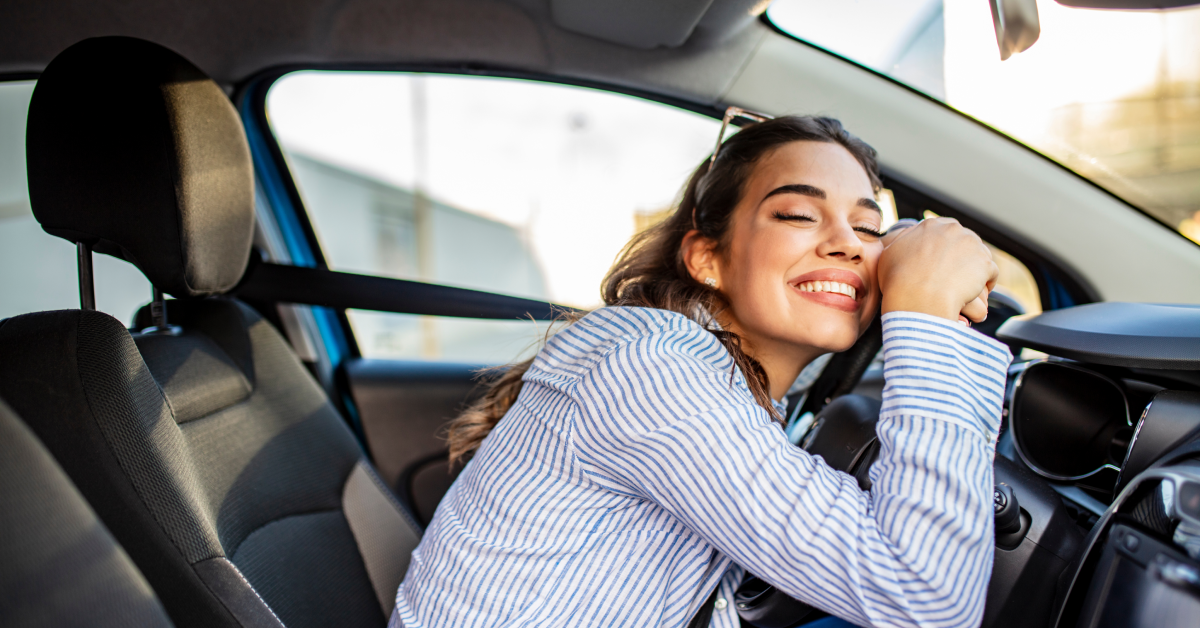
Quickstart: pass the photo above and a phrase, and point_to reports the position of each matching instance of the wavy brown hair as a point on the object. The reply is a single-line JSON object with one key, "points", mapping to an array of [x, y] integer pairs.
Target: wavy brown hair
{"points": [[651, 271]]}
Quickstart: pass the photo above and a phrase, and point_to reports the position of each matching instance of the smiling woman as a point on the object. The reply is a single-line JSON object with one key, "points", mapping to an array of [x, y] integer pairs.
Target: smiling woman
{"points": [[643, 442], [784, 233]]}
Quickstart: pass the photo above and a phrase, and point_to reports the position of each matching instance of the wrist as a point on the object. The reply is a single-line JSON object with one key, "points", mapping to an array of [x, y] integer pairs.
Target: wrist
{"points": [[932, 307]]}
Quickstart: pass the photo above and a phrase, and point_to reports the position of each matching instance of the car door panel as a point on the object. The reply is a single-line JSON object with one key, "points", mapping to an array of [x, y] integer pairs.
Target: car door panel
{"points": [[404, 407]]}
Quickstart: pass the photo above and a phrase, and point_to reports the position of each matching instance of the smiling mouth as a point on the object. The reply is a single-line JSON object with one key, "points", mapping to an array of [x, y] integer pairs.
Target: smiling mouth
{"points": [[834, 287]]}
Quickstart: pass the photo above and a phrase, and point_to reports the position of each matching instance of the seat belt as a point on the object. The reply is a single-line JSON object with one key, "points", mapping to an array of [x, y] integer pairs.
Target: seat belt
{"points": [[282, 283]]}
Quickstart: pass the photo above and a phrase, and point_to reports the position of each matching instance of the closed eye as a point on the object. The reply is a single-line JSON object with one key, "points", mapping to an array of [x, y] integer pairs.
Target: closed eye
{"points": [[803, 218], [794, 217], [869, 231]]}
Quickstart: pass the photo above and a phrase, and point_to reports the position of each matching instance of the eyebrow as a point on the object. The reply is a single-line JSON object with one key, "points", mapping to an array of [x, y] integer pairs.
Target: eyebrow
{"points": [[804, 189]]}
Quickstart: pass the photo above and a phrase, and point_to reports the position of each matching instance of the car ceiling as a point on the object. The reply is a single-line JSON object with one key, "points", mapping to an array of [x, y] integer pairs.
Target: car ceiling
{"points": [[233, 40]]}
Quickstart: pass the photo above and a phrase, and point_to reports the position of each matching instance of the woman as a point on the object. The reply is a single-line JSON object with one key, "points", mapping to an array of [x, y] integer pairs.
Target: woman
{"points": [[640, 463]]}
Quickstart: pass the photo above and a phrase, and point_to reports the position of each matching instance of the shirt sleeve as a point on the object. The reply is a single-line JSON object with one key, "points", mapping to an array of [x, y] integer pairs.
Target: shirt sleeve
{"points": [[663, 417]]}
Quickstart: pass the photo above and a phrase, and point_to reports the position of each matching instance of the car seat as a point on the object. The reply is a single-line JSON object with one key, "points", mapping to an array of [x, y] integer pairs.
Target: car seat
{"points": [[61, 567], [203, 443]]}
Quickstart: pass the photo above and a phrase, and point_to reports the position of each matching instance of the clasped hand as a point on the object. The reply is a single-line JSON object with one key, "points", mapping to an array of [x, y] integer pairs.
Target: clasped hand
{"points": [[937, 267]]}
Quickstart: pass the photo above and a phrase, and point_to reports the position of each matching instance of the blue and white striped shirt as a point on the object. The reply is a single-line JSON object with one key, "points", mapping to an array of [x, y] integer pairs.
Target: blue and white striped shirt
{"points": [[635, 472]]}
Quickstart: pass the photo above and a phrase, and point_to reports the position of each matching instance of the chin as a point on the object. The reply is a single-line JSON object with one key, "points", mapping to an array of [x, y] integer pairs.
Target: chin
{"points": [[831, 335], [835, 333]]}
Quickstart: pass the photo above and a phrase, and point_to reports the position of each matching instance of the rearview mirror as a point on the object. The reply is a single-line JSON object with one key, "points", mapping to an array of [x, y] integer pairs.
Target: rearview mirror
{"points": [[1017, 25]]}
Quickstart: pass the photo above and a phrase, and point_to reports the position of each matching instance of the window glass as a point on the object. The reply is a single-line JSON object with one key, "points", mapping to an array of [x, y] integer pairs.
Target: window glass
{"points": [[38, 271], [1113, 95], [509, 186]]}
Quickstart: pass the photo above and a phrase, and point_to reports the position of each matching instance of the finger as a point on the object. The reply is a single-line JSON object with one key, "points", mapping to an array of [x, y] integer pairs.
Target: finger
{"points": [[976, 310], [993, 276]]}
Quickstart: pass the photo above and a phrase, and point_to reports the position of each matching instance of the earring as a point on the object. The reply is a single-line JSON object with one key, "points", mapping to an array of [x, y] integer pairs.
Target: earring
{"points": [[710, 282]]}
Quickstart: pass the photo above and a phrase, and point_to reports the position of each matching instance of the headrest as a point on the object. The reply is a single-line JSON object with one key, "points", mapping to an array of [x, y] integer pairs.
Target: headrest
{"points": [[135, 151]]}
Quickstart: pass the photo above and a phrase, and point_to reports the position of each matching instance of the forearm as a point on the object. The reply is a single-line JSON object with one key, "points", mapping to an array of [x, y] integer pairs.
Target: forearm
{"points": [[917, 550], [932, 484]]}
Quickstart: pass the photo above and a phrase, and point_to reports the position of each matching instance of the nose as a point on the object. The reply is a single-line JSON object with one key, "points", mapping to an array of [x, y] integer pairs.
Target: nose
{"points": [[840, 242]]}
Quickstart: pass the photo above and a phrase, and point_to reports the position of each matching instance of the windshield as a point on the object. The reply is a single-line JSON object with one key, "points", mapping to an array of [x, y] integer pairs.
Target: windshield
{"points": [[1112, 95]]}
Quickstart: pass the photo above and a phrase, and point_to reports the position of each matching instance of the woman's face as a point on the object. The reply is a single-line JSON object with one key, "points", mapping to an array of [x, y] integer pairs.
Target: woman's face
{"points": [[798, 264]]}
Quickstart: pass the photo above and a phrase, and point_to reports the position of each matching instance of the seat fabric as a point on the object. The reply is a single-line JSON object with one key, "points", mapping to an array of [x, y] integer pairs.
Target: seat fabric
{"points": [[212, 455], [60, 567]]}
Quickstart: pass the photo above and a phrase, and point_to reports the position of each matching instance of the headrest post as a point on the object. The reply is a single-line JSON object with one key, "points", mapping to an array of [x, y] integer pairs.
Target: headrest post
{"points": [[87, 288], [158, 309], [158, 316]]}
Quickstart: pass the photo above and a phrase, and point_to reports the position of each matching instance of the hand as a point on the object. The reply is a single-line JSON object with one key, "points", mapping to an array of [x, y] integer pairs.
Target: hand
{"points": [[937, 267]]}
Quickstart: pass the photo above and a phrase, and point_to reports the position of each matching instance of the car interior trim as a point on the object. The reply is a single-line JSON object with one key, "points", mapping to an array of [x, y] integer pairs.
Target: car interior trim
{"points": [[1169, 420], [1083, 570], [283, 199], [1135, 335], [1014, 420], [380, 530]]}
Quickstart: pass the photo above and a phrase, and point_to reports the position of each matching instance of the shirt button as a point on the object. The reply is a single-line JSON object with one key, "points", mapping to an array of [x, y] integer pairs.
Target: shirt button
{"points": [[721, 604]]}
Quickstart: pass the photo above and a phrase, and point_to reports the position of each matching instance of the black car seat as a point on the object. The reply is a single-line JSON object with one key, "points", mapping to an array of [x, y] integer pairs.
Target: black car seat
{"points": [[60, 567], [204, 445]]}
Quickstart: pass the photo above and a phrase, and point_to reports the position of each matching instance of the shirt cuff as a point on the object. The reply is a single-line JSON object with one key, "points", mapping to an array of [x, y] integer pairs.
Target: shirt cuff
{"points": [[940, 369]]}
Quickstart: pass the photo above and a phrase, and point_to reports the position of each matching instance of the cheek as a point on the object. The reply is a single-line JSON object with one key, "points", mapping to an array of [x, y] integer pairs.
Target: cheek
{"points": [[871, 256], [752, 284], [755, 257]]}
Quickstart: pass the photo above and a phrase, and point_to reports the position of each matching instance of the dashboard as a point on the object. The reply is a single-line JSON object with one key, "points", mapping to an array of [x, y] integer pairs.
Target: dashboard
{"points": [[1109, 420], [1097, 472]]}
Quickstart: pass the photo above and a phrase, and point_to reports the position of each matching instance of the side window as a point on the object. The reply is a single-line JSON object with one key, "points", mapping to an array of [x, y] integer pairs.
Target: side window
{"points": [[37, 270], [503, 185]]}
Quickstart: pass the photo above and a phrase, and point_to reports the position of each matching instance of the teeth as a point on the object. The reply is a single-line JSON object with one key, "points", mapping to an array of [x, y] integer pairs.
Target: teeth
{"points": [[829, 286]]}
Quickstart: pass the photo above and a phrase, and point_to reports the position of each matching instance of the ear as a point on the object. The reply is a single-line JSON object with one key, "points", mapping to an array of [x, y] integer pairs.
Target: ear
{"points": [[700, 256]]}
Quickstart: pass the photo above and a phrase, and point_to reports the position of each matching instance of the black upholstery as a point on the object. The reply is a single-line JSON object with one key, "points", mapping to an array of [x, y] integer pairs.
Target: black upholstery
{"points": [[135, 151], [259, 482], [60, 566], [211, 454]]}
